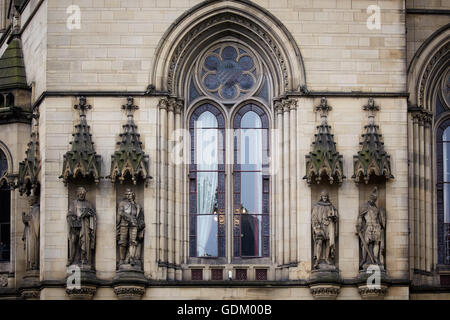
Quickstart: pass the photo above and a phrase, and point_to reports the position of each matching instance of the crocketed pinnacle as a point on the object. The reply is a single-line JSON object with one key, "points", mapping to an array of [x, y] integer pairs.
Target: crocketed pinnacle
{"points": [[372, 160], [130, 160], [82, 160], [324, 160]]}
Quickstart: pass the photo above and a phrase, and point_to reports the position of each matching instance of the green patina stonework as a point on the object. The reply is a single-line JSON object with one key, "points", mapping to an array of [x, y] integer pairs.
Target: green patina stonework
{"points": [[82, 160]]}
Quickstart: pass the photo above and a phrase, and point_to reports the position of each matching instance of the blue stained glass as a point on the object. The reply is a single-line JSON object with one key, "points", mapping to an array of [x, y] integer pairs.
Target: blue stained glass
{"points": [[229, 72], [246, 81], [229, 53], [229, 75], [246, 63], [228, 92], [211, 82], [211, 63]]}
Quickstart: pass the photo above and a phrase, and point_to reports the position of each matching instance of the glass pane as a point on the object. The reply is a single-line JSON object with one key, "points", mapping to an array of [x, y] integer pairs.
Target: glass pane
{"points": [[251, 120], [206, 120], [207, 236], [206, 192], [446, 203], [251, 235], [251, 192], [5, 211], [446, 135], [3, 163], [446, 161], [207, 150], [250, 149]]}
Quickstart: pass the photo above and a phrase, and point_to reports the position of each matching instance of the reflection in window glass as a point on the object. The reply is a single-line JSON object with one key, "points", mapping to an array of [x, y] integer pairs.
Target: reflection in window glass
{"points": [[250, 222], [206, 185], [446, 162]]}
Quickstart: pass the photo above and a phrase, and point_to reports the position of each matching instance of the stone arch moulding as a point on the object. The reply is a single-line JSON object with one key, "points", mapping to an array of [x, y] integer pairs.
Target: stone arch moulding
{"points": [[428, 63], [240, 19]]}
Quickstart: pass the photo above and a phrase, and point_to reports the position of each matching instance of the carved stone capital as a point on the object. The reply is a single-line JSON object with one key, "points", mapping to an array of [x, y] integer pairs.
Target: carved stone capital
{"points": [[278, 107], [82, 293], [30, 294], [163, 103], [129, 292], [325, 291], [289, 104], [372, 292]]}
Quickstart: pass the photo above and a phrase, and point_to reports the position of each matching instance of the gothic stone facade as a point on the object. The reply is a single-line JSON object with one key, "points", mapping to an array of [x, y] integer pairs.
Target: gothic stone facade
{"points": [[276, 59]]}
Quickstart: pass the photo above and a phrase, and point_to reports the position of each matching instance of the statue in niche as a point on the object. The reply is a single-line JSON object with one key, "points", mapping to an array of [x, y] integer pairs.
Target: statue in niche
{"points": [[324, 219], [370, 228], [130, 230], [82, 221], [30, 237]]}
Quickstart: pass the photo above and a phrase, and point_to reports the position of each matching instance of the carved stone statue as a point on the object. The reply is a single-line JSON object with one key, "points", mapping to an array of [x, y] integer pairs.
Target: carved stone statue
{"points": [[324, 219], [82, 221], [130, 230], [30, 236], [370, 228]]}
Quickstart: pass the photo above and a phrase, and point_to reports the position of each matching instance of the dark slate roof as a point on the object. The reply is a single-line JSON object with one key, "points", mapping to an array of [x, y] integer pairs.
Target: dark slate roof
{"points": [[12, 67]]}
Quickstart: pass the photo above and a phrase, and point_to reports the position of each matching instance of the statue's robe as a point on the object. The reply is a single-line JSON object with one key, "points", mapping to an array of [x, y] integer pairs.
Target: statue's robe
{"points": [[323, 226], [31, 238], [88, 227]]}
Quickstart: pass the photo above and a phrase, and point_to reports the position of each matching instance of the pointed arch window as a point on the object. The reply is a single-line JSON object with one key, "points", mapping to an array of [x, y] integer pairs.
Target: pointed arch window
{"points": [[5, 213], [207, 183], [251, 183]]}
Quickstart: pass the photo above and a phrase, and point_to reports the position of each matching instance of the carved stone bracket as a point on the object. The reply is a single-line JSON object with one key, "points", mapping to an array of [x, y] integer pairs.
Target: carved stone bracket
{"points": [[371, 160], [129, 285], [28, 180], [325, 291], [82, 293], [85, 289], [324, 160], [372, 292], [81, 160], [130, 160], [129, 292]]}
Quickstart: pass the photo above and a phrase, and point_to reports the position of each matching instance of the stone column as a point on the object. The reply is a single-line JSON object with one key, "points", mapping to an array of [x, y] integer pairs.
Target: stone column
{"points": [[294, 180], [411, 191], [170, 192], [179, 183], [162, 256], [286, 192], [416, 191], [422, 192], [279, 227]]}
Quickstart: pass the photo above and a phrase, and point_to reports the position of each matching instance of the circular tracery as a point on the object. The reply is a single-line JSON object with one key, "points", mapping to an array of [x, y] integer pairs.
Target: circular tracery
{"points": [[228, 72]]}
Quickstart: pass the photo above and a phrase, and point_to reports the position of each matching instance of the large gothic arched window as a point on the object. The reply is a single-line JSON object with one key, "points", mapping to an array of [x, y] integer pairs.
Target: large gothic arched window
{"points": [[228, 89]]}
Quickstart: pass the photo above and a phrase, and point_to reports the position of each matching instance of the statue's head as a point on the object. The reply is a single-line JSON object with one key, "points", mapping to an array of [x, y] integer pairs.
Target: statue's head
{"points": [[81, 193], [324, 195], [33, 199], [129, 194], [373, 196]]}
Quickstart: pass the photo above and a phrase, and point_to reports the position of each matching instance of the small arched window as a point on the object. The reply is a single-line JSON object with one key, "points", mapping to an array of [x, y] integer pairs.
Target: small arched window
{"points": [[5, 213]]}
